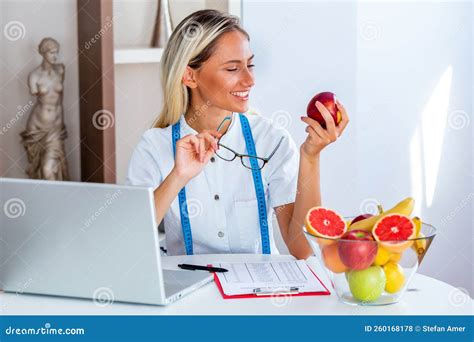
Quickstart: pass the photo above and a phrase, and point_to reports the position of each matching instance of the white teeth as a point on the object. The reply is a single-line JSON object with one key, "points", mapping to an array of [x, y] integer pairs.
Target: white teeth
{"points": [[240, 93]]}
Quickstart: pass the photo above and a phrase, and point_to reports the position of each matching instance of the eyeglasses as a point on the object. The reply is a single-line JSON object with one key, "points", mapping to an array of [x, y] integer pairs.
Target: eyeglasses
{"points": [[228, 154]]}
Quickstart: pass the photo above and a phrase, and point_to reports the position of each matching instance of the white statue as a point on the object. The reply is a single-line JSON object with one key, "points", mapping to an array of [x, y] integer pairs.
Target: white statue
{"points": [[45, 131]]}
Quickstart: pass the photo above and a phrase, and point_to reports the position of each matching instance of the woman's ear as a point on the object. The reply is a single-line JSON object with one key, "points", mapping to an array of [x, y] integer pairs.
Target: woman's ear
{"points": [[189, 77]]}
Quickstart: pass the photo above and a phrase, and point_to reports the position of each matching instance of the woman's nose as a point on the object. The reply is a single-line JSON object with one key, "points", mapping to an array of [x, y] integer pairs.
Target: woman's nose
{"points": [[248, 78]]}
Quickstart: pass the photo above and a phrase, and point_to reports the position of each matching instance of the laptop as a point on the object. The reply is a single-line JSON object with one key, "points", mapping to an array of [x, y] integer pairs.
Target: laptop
{"points": [[86, 240]]}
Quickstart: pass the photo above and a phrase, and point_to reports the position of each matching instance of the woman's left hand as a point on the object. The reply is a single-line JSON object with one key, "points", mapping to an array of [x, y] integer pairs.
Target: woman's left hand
{"points": [[318, 137]]}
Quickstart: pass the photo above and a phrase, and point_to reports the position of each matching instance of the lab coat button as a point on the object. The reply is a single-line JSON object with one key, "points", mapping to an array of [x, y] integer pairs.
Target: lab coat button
{"points": [[213, 159], [220, 234], [216, 197]]}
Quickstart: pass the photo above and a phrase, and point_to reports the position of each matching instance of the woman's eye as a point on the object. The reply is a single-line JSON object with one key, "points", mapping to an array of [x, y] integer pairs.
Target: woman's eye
{"points": [[248, 66]]}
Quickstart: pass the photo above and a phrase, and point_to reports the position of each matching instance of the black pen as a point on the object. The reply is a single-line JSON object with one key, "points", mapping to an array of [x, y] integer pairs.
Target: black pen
{"points": [[202, 268]]}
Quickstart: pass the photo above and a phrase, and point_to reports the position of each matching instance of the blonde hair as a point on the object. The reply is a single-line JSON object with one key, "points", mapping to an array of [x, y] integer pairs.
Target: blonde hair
{"points": [[192, 42]]}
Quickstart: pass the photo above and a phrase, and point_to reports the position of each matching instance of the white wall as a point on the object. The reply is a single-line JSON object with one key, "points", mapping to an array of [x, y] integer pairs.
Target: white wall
{"points": [[29, 22], [386, 62], [415, 90]]}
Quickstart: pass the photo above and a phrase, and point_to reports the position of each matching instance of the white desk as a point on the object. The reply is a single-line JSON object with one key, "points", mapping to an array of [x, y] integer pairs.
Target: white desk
{"points": [[430, 297]]}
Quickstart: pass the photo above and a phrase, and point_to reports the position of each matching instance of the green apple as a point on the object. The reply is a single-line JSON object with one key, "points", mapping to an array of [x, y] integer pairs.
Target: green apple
{"points": [[366, 285]]}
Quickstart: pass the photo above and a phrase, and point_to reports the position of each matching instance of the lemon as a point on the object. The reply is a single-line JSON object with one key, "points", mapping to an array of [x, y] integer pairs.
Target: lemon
{"points": [[382, 256], [395, 257], [395, 277]]}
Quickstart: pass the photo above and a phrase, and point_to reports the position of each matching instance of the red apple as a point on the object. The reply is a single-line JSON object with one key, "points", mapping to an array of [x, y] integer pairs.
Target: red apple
{"points": [[361, 217], [328, 99], [357, 249]]}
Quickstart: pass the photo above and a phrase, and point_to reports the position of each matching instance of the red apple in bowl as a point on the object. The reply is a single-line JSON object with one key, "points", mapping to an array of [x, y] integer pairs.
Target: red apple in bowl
{"points": [[357, 249], [328, 99], [361, 217]]}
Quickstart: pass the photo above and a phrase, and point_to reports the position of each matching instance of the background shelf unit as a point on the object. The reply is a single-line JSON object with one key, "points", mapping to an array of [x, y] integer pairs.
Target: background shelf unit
{"points": [[137, 55]]}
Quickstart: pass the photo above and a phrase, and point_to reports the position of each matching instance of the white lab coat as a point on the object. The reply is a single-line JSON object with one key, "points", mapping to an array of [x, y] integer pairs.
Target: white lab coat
{"points": [[228, 222]]}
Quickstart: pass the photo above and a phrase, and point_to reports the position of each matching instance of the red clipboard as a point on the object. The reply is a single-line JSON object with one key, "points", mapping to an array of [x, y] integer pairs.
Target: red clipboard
{"points": [[253, 295]]}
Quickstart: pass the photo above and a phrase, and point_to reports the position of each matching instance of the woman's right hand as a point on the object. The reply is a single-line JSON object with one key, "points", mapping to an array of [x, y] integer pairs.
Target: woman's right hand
{"points": [[193, 152]]}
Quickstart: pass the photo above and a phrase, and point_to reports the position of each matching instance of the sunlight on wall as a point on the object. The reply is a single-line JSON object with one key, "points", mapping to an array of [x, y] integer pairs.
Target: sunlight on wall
{"points": [[433, 125], [416, 172]]}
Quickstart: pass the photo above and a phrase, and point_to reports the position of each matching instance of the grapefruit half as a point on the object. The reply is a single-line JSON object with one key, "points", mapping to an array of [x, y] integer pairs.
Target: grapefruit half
{"points": [[325, 223], [394, 232]]}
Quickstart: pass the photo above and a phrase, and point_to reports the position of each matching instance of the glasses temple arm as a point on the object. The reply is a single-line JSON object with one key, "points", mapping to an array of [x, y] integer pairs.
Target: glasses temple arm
{"points": [[276, 148], [225, 119]]}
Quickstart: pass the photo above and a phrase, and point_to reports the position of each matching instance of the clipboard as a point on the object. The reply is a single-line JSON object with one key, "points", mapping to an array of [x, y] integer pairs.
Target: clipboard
{"points": [[262, 294]]}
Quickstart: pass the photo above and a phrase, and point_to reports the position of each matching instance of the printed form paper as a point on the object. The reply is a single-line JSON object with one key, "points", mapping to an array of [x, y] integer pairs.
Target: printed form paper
{"points": [[243, 278]]}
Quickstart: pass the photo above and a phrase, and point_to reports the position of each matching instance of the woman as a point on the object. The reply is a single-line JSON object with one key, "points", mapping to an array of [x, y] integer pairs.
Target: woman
{"points": [[212, 199], [45, 131]]}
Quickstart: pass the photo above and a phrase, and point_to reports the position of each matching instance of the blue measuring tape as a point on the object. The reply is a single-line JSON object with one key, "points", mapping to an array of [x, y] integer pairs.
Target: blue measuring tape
{"points": [[183, 206], [257, 180]]}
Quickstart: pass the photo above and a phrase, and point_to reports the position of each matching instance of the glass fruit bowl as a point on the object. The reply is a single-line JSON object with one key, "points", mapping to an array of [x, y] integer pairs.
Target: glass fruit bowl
{"points": [[368, 272]]}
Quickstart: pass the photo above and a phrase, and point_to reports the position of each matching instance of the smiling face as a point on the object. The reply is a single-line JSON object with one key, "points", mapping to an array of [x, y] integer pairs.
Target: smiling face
{"points": [[225, 79]]}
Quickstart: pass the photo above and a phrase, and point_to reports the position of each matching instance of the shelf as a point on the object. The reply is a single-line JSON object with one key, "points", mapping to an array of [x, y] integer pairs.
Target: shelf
{"points": [[137, 55]]}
